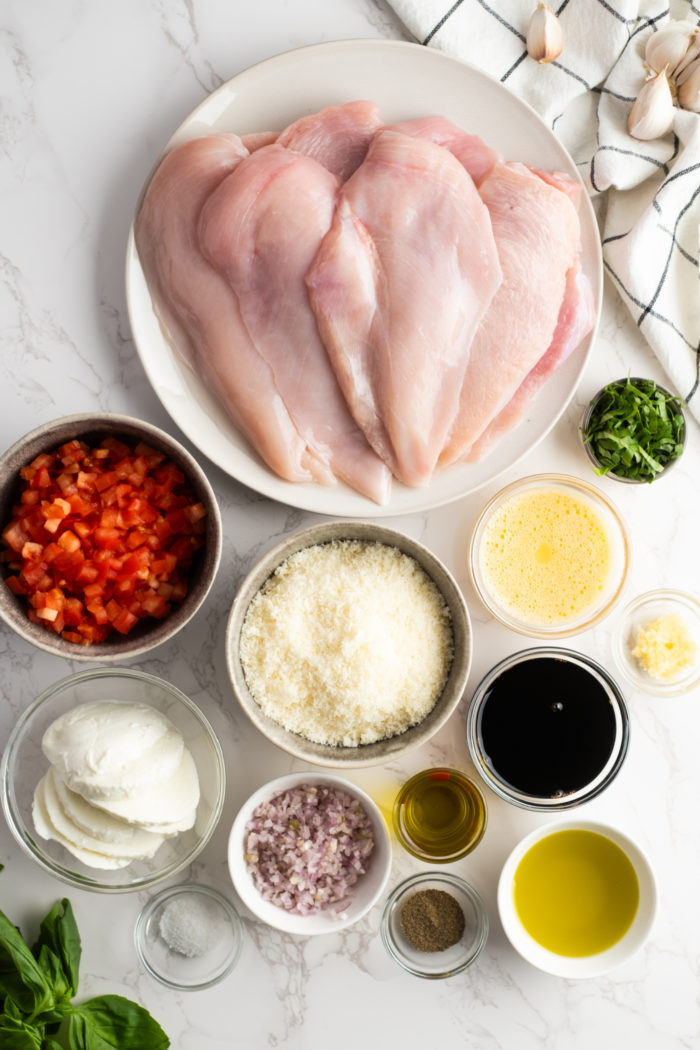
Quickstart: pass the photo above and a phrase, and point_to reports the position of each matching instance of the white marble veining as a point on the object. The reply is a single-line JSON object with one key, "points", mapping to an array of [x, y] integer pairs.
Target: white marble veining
{"points": [[90, 92]]}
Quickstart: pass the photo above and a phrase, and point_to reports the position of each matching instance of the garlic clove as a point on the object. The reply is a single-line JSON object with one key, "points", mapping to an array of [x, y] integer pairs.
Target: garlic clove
{"points": [[689, 90], [690, 56], [652, 112], [544, 38], [667, 48]]}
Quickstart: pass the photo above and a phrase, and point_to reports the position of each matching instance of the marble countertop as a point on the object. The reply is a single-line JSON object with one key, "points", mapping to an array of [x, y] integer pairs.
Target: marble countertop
{"points": [[90, 94]]}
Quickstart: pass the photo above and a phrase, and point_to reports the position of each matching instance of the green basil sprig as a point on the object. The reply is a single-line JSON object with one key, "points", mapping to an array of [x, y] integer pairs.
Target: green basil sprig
{"points": [[634, 430], [37, 985]]}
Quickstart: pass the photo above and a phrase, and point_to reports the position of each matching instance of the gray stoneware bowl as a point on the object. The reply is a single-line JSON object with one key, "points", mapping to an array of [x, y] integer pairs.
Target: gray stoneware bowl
{"points": [[148, 633], [385, 750]]}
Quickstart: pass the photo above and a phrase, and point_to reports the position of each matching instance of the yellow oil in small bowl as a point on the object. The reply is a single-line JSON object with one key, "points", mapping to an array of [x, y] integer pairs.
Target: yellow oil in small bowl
{"points": [[439, 815]]}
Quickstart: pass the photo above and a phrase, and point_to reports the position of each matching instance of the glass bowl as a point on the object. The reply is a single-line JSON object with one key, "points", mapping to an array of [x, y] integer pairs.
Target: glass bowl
{"points": [[646, 610], [597, 404], [547, 729], [605, 879], [378, 752], [149, 632], [24, 763], [549, 556], [435, 965], [189, 937], [439, 815], [364, 894]]}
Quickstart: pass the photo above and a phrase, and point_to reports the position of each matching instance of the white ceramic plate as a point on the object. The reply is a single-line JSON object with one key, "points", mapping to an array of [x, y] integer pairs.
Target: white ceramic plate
{"points": [[406, 80]]}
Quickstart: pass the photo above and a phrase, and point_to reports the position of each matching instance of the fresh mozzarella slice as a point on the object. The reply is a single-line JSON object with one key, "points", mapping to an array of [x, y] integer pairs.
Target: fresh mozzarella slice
{"points": [[163, 803], [111, 750], [46, 830]]}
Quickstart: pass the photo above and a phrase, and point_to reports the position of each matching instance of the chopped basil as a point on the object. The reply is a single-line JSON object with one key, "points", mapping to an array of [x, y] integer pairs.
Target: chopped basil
{"points": [[634, 430]]}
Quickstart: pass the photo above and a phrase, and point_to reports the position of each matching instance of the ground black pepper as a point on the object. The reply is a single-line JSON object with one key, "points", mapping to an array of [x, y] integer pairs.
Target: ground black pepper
{"points": [[432, 920]]}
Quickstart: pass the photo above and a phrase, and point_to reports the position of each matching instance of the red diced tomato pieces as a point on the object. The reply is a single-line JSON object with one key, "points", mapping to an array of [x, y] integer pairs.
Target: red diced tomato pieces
{"points": [[101, 538]]}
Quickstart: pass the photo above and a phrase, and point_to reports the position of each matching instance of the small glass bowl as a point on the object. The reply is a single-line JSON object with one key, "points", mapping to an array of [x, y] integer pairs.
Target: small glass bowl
{"points": [[591, 613], [454, 960], [592, 407], [23, 764], [639, 614], [547, 803], [439, 815], [211, 936]]}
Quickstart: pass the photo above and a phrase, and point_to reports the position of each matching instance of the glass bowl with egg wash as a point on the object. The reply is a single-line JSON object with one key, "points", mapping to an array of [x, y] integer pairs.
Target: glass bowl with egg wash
{"points": [[547, 729], [577, 898], [549, 555], [112, 780], [656, 642]]}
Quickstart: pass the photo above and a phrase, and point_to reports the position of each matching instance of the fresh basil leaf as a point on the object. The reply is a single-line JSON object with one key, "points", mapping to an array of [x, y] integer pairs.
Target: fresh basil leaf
{"points": [[54, 973], [21, 978], [59, 932], [111, 1022], [15, 1034]]}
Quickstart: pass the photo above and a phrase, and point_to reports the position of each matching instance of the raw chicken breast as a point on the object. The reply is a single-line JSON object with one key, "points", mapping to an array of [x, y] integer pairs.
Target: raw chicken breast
{"points": [[576, 320], [470, 150], [196, 307], [338, 137], [538, 237], [399, 286], [261, 229]]}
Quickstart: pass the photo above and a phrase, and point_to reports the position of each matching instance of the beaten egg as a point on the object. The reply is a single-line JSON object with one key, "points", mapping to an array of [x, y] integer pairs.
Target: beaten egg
{"points": [[548, 555]]}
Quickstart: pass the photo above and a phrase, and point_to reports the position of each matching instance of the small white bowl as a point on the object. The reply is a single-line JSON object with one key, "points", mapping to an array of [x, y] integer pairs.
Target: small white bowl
{"points": [[639, 614], [588, 965], [367, 890]]}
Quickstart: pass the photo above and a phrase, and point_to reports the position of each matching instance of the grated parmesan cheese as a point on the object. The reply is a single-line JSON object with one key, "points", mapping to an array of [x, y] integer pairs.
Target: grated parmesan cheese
{"points": [[347, 643]]}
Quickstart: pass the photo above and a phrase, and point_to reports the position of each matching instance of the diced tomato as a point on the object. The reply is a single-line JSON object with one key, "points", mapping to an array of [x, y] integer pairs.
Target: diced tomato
{"points": [[101, 538]]}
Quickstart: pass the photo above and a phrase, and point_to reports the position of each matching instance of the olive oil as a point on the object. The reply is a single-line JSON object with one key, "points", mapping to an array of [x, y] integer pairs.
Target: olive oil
{"points": [[576, 892], [439, 815]]}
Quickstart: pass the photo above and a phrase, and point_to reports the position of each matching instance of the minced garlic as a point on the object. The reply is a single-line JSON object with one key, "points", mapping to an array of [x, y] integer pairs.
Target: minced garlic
{"points": [[665, 648]]}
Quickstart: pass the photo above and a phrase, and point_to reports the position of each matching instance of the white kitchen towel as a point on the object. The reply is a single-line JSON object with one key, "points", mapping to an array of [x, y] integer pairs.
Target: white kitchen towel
{"points": [[648, 193]]}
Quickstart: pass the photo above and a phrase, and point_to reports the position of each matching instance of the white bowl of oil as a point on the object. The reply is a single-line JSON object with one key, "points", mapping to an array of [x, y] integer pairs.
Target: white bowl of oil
{"points": [[577, 898]]}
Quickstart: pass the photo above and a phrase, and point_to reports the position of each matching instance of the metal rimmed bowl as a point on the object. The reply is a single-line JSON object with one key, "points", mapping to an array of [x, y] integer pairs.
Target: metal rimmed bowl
{"points": [[550, 751], [435, 965], [381, 751], [24, 763], [148, 632], [536, 572]]}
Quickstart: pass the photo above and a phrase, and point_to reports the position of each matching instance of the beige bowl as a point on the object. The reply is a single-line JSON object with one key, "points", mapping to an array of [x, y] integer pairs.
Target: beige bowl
{"points": [[148, 633], [383, 750]]}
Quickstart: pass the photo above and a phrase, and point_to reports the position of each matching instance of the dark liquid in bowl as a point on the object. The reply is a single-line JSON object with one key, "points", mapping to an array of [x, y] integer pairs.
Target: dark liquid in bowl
{"points": [[546, 727]]}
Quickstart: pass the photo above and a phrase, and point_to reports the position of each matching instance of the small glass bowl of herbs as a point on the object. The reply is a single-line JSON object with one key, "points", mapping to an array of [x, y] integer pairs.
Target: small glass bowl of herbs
{"points": [[633, 430]]}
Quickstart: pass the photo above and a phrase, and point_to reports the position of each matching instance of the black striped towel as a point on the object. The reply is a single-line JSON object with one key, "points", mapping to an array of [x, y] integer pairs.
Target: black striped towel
{"points": [[648, 193]]}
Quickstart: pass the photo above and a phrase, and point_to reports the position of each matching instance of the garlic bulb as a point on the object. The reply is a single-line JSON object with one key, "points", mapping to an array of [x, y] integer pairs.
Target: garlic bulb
{"points": [[667, 48], [652, 113], [689, 88], [544, 38]]}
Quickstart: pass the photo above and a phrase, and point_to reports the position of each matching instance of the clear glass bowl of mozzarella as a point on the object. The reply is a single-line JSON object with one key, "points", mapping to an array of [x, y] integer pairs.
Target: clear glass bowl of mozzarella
{"points": [[112, 780]]}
